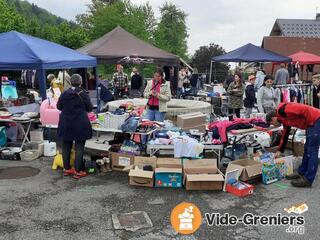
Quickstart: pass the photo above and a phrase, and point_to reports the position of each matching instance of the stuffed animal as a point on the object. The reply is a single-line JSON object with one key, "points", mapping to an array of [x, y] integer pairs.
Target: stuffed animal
{"points": [[58, 161], [105, 164]]}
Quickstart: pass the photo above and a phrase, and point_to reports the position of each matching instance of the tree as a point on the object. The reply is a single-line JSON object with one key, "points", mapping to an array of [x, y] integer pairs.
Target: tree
{"points": [[171, 33], [137, 20], [10, 19], [202, 59]]}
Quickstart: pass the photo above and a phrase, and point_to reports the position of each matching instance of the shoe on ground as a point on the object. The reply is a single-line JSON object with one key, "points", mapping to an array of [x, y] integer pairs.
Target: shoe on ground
{"points": [[301, 182], [79, 175], [69, 172], [293, 176]]}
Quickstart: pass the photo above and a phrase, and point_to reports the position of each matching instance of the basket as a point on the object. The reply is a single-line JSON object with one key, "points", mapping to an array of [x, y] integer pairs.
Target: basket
{"points": [[114, 121], [29, 155]]}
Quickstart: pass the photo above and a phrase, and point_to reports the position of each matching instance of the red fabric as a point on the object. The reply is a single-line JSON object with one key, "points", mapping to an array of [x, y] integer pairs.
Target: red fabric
{"points": [[305, 58], [223, 125], [297, 115], [153, 101]]}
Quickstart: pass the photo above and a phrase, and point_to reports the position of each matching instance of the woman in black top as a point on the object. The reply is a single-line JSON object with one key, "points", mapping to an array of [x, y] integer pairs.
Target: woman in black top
{"points": [[250, 94], [74, 125]]}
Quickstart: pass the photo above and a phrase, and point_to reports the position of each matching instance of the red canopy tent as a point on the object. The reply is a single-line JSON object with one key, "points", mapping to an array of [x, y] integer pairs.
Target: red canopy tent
{"points": [[305, 58]]}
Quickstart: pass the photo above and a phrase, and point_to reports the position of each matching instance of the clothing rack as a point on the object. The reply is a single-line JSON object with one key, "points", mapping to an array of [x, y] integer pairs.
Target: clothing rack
{"points": [[293, 85]]}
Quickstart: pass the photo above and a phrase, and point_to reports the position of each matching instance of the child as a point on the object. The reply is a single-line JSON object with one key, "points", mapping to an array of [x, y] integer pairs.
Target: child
{"points": [[250, 99]]}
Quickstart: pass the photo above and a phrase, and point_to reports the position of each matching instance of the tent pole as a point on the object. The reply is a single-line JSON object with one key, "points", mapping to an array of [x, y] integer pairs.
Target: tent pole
{"points": [[97, 88], [42, 83], [210, 70]]}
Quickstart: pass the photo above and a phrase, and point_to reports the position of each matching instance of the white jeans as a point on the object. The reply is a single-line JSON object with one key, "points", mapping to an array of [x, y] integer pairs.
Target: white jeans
{"points": [[248, 112]]}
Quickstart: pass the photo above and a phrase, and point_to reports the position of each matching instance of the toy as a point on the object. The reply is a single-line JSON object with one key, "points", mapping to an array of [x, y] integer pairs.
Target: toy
{"points": [[105, 164], [58, 161], [270, 173]]}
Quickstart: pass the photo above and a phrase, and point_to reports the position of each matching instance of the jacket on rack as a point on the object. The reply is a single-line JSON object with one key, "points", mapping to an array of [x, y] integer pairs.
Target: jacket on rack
{"points": [[316, 98], [295, 115]]}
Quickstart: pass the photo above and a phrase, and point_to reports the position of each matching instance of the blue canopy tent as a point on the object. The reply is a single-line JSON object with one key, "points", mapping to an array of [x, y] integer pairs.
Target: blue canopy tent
{"points": [[23, 52], [249, 53]]}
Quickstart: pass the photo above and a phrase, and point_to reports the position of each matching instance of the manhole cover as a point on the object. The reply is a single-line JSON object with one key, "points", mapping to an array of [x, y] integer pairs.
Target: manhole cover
{"points": [[18, 172], [131, 221]]}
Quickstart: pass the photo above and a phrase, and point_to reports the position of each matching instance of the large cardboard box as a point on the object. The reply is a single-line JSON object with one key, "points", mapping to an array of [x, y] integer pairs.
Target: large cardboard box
{"points": [[202, 128], [168, 177], [248, 169], [168, 173], [202, 175], [190, 120], [204, 181], [140, 177], [169, 163], [120, 161]]}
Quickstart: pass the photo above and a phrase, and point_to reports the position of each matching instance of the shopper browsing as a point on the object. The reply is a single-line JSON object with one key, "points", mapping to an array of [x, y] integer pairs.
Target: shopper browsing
{"points": [[158, 94], [74, 125], [236, 90], [120, 80], [316, 90], [266, 98], [250, 94], [303, 117]]}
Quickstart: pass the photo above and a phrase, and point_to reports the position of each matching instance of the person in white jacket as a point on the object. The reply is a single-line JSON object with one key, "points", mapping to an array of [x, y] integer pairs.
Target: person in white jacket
{"points": [[260, 75], [266, 97]]}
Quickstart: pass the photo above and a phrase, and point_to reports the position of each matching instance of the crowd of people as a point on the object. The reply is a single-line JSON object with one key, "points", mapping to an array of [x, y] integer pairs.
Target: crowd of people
{"points": [[260, 91]]}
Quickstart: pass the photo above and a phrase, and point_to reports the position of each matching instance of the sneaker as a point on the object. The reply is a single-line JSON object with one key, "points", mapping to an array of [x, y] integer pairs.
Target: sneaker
{"points": [[294, 175], [69, 172], [79, 175], [301, 182]]}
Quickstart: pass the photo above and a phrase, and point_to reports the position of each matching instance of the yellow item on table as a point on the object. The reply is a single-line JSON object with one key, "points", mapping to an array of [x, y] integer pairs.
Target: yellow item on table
{"points": [[57, 84], [58, 161]]}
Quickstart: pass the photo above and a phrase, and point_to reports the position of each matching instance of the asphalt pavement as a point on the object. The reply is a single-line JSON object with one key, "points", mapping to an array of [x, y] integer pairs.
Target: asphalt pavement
{"points": [[50, 206]]}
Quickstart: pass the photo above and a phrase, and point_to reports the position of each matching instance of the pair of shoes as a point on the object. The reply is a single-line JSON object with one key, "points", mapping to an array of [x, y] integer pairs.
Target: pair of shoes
{"points": [[301, 182], [294, 175], [68, 172], [79, 175]]}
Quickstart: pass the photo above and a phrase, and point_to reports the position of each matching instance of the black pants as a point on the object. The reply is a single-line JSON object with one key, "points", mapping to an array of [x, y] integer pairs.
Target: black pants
{"points": [[232, 111], [119, 93], [66, 150]]}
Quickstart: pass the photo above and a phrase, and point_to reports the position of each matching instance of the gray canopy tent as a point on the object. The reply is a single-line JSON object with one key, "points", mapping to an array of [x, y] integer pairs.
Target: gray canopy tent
{"points": [[119, 46]]}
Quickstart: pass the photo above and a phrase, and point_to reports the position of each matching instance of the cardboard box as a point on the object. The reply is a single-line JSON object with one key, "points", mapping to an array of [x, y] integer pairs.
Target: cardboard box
{"points": [[168, 177], [248, 169], [139, 177], [169, 163], [204, 181], [191, 119], [202, 128], [168, 173], [202, 175], [234, 174], [120, 161]]}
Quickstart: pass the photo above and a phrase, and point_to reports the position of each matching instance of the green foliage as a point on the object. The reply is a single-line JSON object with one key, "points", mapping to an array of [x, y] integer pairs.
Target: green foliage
{"points": [[28, 18], [202, 58], [10, 19], [104, 17], [32, 11], [171, 33]]}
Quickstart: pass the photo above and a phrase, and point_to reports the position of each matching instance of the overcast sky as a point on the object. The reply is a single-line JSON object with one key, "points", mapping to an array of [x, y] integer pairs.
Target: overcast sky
{"points": [[229, 23]]}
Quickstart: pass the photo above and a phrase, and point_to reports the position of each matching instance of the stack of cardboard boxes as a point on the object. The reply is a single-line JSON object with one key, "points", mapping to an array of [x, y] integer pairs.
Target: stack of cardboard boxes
{"points": [[192, 121]]}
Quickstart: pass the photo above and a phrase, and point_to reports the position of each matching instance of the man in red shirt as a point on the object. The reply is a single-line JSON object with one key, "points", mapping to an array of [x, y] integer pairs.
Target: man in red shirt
{"points": [[304, 117]]}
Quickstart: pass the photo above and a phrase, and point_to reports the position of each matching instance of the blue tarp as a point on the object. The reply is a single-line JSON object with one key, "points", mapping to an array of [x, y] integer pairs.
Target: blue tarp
{"points": [[20, 51], [251, 53]]}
